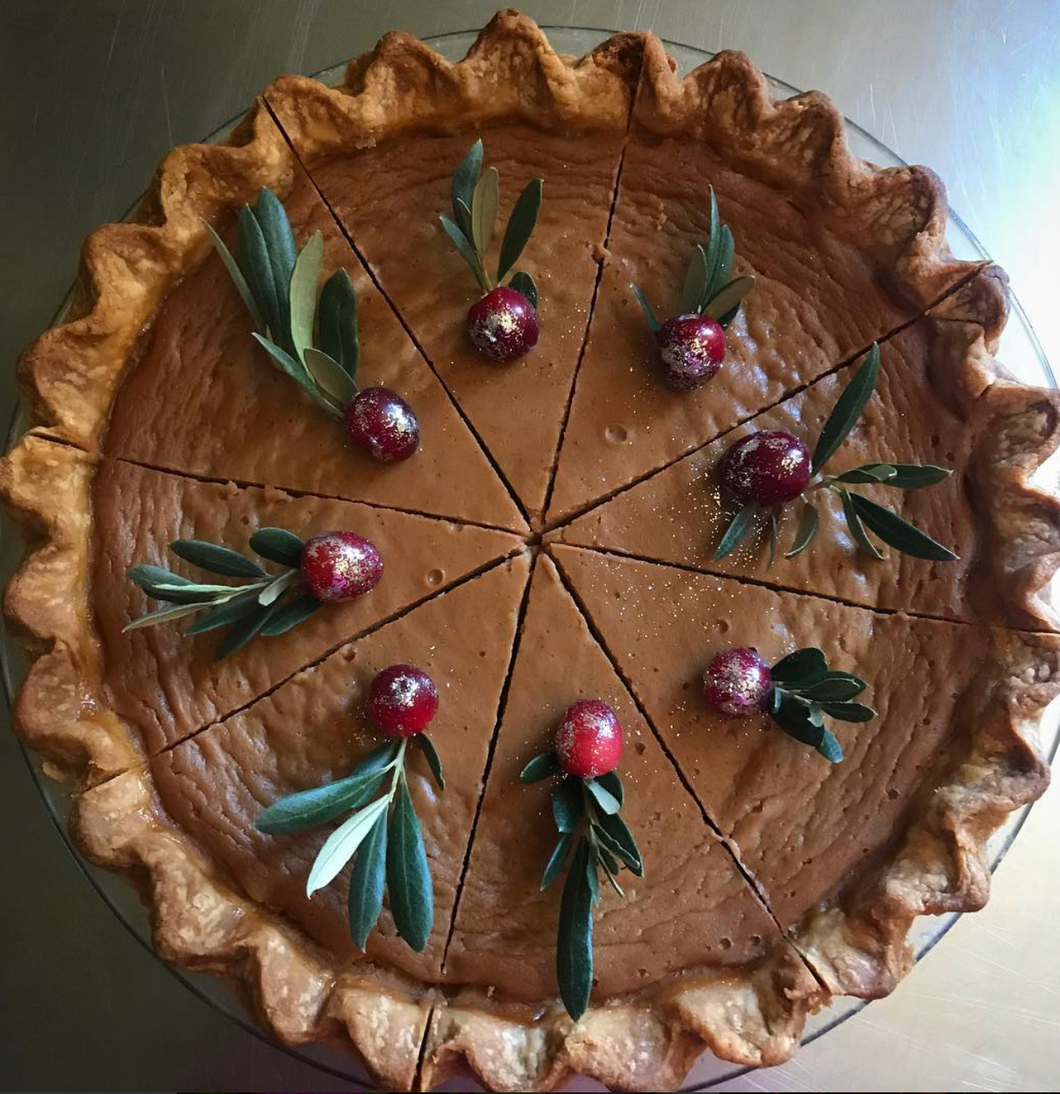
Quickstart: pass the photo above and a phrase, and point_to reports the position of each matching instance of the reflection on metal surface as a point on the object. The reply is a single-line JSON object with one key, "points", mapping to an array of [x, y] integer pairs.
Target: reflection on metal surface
{"points": [[1021, 353]]}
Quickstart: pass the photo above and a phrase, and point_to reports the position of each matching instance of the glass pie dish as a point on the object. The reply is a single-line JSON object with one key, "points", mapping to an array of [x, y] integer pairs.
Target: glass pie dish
{"points": [[1019, 351]]}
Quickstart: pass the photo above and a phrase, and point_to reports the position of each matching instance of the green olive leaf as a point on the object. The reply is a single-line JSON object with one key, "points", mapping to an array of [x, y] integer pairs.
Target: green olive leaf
{"points": [[849, 712], [829, 747], [311, 808], [299, 373], [465, 178], [899, 533], [622, 842], [837, 688], [649, 311], [165, 615], [244, 629], [236, 274], [800, 668], [278, 545], [467, 251], [303, 294], [568, 805], [485, 205], [342, 845], [330, 376], [226, 613], [729, 298], [408, 878], [257, 268], [738, 530], [287, 616], [337, 320], [367, 881], [430, 754], [574, 944], [809, 520], [604, 799], [612, 783], [557, 860], [279, 242], [215, 558], [520, 226], [695, 281], [522, 282], [848, 408], [857, 529], [540, 767]]}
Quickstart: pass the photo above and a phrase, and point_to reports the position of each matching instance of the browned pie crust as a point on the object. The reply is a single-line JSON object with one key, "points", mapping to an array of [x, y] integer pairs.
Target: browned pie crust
{"points": [[699, 929], [941, 398], [384, 145], [69, 375], [844, 254], [201, 923], [898, 828], [69, 378], [800, 143]]}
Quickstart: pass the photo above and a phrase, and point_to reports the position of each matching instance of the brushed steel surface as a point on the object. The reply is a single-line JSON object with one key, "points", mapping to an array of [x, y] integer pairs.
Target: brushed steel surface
{"points": [[94, 92]]}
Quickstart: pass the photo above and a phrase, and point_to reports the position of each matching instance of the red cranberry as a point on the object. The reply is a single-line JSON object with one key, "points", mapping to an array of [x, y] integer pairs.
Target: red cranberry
{"points": [[769, 467], [340, 565], [402, 700], [382, 423], [737, 682], [503, 324], [691, 348], [589, 739]]}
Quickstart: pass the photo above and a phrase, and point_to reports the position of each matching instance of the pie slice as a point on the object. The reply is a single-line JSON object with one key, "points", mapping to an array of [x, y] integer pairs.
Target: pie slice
{"points": [[154, 684], [228, 896], [158, 364], [843, 254], [692, 910], [940, 399], [848, 853], [383, 148]]}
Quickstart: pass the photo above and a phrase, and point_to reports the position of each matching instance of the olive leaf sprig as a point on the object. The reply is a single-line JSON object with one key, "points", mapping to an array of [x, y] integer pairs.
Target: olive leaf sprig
{"points": [[861, 514], [707, 286], [383, 832], [278, 285], [804, 689], [266, 604], [476, 202], [586, 814]]}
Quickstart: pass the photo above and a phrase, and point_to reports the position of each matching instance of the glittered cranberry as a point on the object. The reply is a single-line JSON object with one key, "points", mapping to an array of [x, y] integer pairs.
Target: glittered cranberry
{"points": [[340, 565], [589, 739], [691, 348], [503, 324], [769, 467], [402, 700], [737, 682], [382, 423]]}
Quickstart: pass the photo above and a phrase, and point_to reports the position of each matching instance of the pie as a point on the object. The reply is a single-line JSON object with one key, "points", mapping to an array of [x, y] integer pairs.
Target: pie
{"points": [[555, 538]]}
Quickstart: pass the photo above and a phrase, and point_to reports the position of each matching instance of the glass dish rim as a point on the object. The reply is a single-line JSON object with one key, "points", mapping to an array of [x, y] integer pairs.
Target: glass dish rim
{"points": [[245, 1020]]}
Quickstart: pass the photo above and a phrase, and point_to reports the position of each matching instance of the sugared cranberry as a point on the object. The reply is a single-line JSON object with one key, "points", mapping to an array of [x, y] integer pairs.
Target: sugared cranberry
{"points": [[691, 348], [589, 739], [402, 700], [503, 324], [340, 565], [769, 467], [382, 423], [737, 682]]}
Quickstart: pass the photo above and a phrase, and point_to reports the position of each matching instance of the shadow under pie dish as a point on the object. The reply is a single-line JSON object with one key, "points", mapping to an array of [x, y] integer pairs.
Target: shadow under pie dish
{"points": [[772, 879]]}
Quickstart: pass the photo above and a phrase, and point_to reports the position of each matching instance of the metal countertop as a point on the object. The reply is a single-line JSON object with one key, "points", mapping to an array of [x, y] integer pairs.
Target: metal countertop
{"points": [[94, 92]]}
